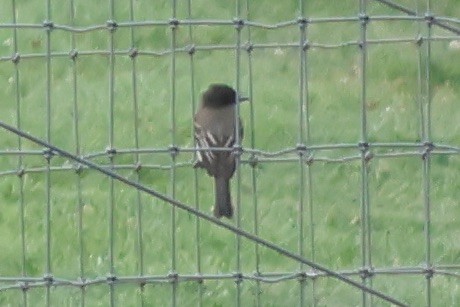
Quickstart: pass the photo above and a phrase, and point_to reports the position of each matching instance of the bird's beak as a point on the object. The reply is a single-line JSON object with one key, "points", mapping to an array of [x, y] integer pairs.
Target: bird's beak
{"points": [[243, 98]]}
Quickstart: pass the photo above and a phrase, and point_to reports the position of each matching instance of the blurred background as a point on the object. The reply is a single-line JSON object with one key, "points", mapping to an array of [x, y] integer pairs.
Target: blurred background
{"points": [[118, 82]]}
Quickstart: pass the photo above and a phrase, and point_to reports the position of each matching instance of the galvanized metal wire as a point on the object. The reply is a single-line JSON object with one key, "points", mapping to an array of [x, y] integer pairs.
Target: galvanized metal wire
{"points": [[304, 153]]}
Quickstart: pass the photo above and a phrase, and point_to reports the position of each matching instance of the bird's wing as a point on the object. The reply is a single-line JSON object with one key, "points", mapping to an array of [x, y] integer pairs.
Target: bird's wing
{"points": [[216, 162]]}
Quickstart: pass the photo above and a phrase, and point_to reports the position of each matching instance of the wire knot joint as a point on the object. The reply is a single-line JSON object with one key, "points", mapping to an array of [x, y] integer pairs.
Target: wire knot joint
{"points": [[429, 18], [249, 47], [73, 54], [111, 152], [237, 150], [303, 21], [48, 25], [15, 58], [20, 172], [238, 23], [24, 286], [191, 49], [133, 52], [173, 277], [111, 25], [111, 279], [429, 272], [364, 18], [302, 277], [173, 23], [48, 278], [48, 154], [365, 273], [429, 146], [253, 161], [173, 151], [78, 168], [301, 149], [238, 277]]}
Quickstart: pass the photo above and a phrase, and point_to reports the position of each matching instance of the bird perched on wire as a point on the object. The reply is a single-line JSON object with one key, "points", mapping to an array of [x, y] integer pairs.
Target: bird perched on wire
{"points": [[215, 128]]}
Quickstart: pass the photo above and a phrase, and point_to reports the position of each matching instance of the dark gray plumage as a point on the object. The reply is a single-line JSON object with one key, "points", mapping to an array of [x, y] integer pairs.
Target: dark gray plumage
{"points": [[215, 128]]}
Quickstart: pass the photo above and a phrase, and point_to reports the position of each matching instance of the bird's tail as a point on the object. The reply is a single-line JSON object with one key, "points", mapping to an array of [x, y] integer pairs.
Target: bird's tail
{"points": [[223, 206]]}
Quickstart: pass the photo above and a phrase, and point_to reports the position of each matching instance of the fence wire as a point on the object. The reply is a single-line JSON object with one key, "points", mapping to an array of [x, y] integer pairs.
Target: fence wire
{"points": [[304, 153]]}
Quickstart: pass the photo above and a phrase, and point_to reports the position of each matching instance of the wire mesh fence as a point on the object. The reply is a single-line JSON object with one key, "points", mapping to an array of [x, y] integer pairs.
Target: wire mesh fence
{"points": [[341, 197]]}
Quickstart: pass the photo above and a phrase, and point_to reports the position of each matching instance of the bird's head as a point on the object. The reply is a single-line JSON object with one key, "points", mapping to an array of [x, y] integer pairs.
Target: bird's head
{"points": [[220, 95]]}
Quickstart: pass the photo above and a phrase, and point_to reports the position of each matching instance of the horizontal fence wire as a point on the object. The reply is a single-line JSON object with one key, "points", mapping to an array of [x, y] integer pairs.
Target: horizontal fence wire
{"points": [[310, 155], [175, 203], [267, 277], [56, 159]]}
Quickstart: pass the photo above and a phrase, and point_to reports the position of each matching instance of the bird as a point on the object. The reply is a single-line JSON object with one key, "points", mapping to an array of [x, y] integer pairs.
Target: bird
{"points": [[215, 127]]}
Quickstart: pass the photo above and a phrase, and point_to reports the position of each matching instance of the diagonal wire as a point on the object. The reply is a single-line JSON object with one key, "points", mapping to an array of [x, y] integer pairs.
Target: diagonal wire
{"points": [[178, 204], [429, 18]]}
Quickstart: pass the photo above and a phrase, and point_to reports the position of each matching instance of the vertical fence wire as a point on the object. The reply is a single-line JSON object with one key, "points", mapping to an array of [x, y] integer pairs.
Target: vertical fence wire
{"points": [[191, 52], [427, 156], [253, 158], [366, 262], [174, 152], [420, 70], [301, 148], [424, 101], [421, 98], [305, 205], [20, 165], [306, 139], [137, 160], [111, 151], [238, 28], [48, 154], [76, 135]]}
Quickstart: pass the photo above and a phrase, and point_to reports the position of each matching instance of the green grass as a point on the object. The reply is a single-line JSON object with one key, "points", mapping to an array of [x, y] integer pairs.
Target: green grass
{"points": [[395, 184]]}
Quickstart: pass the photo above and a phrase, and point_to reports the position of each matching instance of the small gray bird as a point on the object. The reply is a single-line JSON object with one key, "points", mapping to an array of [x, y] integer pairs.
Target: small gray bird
{"points": [[215, 128]]}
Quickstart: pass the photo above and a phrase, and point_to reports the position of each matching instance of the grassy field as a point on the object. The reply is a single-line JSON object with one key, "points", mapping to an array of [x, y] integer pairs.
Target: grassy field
{"points": [[396, 197]]}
